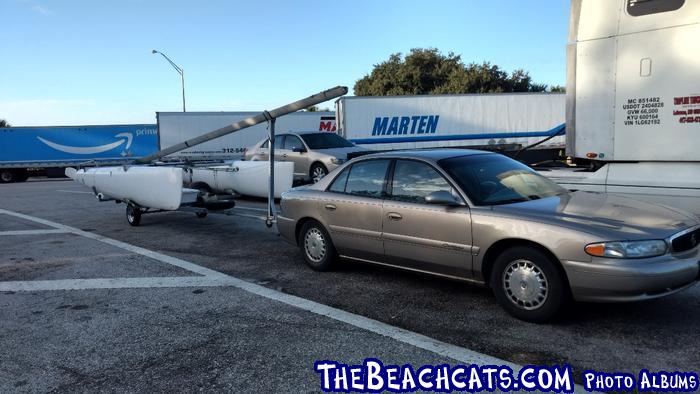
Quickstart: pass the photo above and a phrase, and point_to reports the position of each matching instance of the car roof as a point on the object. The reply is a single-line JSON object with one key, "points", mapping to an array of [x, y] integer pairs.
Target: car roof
{"points": [[429, 154]]}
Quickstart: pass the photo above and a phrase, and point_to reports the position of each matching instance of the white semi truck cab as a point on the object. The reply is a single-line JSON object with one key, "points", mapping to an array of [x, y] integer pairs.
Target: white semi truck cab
{"points": [[633, 99]]}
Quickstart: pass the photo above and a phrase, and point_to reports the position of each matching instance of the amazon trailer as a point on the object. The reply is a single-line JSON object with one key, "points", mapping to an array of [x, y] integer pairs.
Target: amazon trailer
{"points": [[176, 127], [29, 150], [503, 122]]}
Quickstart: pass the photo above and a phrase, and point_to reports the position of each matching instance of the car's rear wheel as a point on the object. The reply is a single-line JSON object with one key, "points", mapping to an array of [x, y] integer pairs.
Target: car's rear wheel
{"points": [[528, 284], [317, 172], [317, 246]]}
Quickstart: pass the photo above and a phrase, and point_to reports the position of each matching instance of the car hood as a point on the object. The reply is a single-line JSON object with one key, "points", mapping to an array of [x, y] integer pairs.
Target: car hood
{"points": [[605, 214], [341, 153]]}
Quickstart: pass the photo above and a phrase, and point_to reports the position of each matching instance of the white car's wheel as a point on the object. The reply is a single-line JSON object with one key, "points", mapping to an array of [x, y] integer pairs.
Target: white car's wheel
{"points": [[317, 172]]}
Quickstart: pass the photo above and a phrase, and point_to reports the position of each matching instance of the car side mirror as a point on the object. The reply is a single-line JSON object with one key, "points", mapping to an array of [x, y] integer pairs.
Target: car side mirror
{"points": [[442, 197], [299, 149]]}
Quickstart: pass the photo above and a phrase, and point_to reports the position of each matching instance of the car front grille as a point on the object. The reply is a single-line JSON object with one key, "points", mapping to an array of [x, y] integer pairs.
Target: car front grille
{"points": [[686, 241]]}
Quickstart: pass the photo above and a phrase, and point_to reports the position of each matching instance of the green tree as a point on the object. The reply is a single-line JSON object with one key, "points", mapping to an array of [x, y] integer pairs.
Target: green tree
{"points": [[4, 123], [557, 89], [316, 108], [427, 71]]}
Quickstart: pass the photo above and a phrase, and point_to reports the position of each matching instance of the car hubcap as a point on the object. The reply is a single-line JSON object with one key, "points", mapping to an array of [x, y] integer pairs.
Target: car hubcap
{"points": [[318, 173], [315, 245], [6, 176], [525, 284]]}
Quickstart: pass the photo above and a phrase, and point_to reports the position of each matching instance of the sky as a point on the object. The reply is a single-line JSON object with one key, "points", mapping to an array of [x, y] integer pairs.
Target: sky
{"points": [[79, 62]]}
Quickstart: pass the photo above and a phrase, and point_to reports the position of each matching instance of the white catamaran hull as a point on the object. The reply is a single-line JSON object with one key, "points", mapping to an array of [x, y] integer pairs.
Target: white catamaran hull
{"points": [[248, 178], [151, 187]]}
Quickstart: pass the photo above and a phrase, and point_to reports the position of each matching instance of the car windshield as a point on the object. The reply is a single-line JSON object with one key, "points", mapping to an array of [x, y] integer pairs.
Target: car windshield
{"points": [[492, 179], [325, 141]]}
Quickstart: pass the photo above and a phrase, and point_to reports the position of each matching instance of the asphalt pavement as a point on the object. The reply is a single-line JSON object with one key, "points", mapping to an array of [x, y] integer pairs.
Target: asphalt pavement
{"points": [[169, 306]]}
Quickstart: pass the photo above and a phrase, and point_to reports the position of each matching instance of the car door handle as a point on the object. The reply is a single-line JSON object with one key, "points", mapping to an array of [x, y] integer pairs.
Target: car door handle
{"points": [[330, 207], [394, 216]]}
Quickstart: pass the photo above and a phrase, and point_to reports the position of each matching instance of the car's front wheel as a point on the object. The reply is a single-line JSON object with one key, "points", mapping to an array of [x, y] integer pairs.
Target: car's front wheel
{"points": [[317, 246], [528, 285], [317, 172]]}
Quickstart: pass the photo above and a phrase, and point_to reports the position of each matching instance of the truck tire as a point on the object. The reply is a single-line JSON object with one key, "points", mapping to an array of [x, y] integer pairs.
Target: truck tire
{"points": [[8, 175]]}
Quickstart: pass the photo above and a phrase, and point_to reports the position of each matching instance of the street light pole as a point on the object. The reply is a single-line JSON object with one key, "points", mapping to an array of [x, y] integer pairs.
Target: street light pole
{"points": [[179, 71]]}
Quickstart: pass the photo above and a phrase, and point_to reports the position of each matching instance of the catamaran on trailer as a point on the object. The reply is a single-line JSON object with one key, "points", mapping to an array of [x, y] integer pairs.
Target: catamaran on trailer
{"points": [[150, 185]]}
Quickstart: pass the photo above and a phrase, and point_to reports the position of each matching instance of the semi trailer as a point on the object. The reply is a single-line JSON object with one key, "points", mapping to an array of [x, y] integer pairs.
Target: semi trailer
{"points": [[176, 127], [51, 149], [633, 100], [504, 122]]}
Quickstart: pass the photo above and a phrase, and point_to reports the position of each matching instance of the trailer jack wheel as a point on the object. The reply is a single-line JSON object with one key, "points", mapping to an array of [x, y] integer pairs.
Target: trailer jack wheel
{"points": [[133, 215], [269, 223]]}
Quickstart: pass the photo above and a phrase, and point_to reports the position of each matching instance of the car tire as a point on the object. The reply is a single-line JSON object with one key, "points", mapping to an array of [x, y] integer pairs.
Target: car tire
{"points": [[317, 172], [317, 247], [133, 215], [528, 285]]}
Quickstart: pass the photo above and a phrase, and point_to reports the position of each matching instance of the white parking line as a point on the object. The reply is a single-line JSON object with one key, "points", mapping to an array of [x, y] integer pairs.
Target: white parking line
{"points": [[113, 283], [34, 232], [74, 191], [131, 248], [215, 278]]}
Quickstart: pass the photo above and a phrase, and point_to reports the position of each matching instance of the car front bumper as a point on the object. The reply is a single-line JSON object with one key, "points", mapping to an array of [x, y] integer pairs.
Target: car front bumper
{"points": [[617, 280]]}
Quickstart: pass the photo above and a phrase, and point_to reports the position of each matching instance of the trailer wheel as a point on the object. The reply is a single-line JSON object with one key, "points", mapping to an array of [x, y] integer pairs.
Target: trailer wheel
{"points": [[133, 215], [201, 214], [7, 176]]}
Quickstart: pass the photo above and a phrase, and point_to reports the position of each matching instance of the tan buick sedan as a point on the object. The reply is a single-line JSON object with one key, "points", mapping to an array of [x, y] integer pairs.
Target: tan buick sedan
{"points": [[484, 218]]}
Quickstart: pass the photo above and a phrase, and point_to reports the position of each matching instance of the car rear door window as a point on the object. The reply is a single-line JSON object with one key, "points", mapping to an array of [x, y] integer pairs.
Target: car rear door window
{"points": [[366, 178], [279, 140], [338, 185], [292, 142], [414, 180]]}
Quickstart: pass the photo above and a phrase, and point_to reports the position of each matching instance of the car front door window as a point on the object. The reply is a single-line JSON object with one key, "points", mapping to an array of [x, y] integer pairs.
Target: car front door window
{"points": [[414, 180]]}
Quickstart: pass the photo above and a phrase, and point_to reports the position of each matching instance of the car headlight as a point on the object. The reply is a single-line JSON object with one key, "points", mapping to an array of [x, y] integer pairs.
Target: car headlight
{"points": [[336, 160], [628, 249]]}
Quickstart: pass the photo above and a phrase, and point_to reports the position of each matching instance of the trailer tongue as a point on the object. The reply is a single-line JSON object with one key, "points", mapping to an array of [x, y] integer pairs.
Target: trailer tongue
{"points": [[137, 185]]}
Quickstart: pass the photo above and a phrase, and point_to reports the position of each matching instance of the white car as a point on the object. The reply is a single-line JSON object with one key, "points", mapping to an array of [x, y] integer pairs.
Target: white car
{"points": [[314, 154]]}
